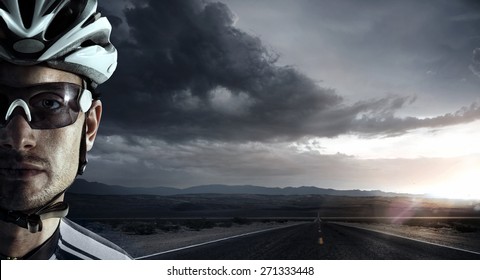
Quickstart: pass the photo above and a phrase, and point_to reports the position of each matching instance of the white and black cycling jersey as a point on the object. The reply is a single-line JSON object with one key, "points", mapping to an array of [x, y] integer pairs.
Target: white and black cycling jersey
{"points": [[74, 242], [78, 243]]}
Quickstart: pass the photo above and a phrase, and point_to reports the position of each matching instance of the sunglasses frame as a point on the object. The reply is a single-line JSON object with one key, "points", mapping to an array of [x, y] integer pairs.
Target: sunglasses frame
{"points": [[84, 101]]}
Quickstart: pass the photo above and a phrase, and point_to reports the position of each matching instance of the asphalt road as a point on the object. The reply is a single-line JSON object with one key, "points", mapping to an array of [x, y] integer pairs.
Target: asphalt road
{"points": [[313, 241]]}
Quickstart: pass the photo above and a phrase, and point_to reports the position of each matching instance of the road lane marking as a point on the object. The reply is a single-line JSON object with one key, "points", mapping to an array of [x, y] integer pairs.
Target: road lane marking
{"points": [[215, 241], [404, 237]]}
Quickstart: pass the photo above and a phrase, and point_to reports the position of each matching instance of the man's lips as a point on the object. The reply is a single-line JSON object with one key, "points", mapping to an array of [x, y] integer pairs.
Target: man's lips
{"points": [[21, 170]]}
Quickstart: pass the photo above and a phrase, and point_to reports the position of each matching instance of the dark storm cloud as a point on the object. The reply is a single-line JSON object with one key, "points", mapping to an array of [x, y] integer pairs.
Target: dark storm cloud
{"points": [[186, 72], [388, 31], [475, 67], [386, 124]]}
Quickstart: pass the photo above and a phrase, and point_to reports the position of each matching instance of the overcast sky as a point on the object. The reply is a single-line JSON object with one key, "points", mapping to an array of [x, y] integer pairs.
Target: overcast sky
{"points": [[376, 94]]}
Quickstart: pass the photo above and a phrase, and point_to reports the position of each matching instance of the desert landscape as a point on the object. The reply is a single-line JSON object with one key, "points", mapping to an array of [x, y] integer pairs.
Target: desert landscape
{"points": [[148, 224]]}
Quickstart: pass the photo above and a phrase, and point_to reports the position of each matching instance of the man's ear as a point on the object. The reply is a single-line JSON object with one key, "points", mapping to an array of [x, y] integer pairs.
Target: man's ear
{"points": [[93, 121]]}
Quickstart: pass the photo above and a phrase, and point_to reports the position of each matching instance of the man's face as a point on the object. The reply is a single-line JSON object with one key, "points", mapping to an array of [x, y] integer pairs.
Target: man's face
{"points": [[35, 164]]}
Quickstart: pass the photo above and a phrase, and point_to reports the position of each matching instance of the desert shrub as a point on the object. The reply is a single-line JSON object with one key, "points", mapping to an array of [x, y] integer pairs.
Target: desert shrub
{"points": [[139, 228], [128, 228], [145, 229], [199, 224], [225, 224], [95, 226], [114, 223], [464, 228], [172, 228], [434, 223], [167, 226], [241, 221]]}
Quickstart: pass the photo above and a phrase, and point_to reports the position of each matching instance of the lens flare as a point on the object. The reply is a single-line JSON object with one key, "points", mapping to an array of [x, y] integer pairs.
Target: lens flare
{"points": [[462, 185]]}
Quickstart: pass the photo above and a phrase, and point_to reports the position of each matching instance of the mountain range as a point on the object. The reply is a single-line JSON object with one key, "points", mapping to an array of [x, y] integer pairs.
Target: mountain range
{"points": [[81, 186]]}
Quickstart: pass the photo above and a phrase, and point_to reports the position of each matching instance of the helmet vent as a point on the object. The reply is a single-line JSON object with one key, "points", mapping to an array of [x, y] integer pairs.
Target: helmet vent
{"points": [[60, 23], [2, 6], [92, 19], [64, 19], [3, 28], [52, 7], [88, 43], [27, 9]]}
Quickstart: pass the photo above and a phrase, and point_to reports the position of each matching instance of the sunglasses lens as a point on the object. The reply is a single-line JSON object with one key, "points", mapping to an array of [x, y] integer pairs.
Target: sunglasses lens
{"points": [[52, 105]]}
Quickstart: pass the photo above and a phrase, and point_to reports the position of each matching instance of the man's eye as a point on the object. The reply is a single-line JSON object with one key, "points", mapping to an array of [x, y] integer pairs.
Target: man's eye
{"points": [[50, 104], [47, 102]]}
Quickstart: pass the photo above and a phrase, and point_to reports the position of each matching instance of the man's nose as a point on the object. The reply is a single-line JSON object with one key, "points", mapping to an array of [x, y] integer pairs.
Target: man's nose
{"points": [[17, 134]]}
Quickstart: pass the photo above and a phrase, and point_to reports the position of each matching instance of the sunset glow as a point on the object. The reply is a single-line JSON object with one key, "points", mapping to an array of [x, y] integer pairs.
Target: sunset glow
{"points": [[463, 185]]}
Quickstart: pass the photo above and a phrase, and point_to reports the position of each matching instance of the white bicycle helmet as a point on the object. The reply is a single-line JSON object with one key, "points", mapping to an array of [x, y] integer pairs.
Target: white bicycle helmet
{"points": [[69, 35]]}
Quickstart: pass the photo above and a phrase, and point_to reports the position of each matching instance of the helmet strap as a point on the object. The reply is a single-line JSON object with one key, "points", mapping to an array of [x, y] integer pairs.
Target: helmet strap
{"points": [[34, 221], [83, 161]]}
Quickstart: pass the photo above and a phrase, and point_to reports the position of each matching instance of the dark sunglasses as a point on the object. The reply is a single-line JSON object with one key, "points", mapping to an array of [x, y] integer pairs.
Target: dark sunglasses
{"points": [[46, 106]]}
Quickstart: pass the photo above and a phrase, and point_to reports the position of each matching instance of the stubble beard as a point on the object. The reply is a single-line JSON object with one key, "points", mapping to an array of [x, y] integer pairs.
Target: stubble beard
{"points": [[28, 196]]}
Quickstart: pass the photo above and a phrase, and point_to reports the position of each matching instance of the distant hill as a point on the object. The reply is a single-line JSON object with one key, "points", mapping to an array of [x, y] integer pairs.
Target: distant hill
{"points": [[81, 186]]}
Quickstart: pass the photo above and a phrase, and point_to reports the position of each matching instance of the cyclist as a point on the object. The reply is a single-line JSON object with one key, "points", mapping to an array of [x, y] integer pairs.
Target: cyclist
{"points": [[53, 55]]}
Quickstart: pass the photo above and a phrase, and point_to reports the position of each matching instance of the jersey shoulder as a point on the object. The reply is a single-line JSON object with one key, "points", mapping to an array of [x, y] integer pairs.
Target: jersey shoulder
{"points": [[77, 242]]}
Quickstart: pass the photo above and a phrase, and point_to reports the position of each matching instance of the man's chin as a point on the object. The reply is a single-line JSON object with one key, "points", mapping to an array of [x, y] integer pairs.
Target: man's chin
{"points": [[22, 196], [22, 204]]}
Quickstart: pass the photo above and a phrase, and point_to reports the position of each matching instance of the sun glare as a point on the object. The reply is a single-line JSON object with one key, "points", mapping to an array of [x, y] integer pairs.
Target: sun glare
{"points": [[463, 185]]}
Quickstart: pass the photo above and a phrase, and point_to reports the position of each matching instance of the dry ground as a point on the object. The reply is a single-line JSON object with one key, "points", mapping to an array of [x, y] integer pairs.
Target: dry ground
{"points": [[141, 245], [446, 236]]}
